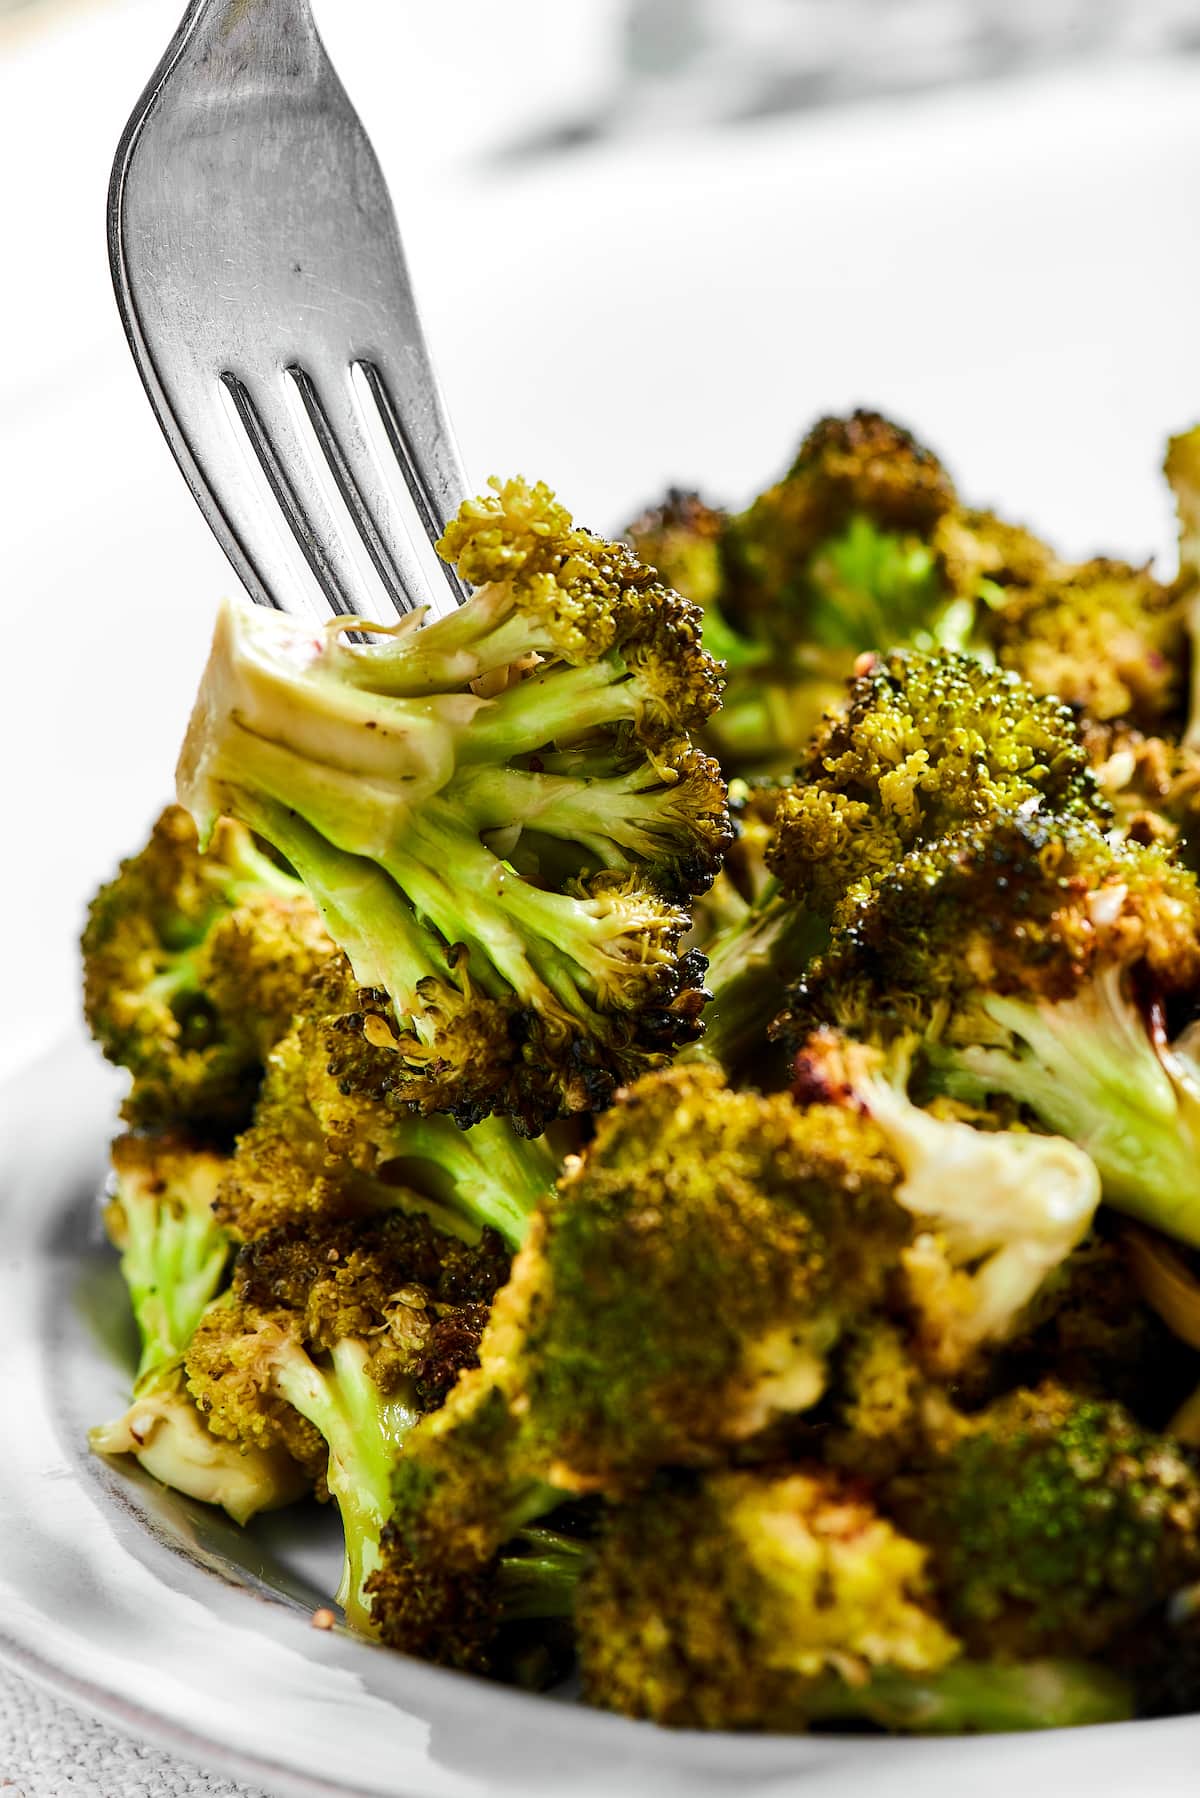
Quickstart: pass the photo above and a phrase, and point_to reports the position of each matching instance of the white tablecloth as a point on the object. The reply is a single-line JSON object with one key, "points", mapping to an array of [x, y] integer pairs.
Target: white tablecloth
{"points": [[48, 1750]]}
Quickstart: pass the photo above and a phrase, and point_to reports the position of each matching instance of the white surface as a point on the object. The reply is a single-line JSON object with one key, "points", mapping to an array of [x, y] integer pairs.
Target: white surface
{"points": [[1012, 271]]}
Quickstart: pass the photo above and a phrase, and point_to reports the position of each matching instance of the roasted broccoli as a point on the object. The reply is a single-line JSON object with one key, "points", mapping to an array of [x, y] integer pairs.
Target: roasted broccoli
{"points": [[835, 559], [781, 1598], [500, 814], [1054, 1522], [922, 744], [331, 1342], [1035, 956], [324, 1146], [193, 964], [622, 1344]]}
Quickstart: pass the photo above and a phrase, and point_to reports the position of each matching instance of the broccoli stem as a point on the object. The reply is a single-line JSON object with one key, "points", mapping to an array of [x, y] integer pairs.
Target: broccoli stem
{"points": [[539, 1574], [487, 1172], [361, 906], [172, 1262], [969, 1696], [605, 818], [1091, 1069], [449, 652], [364, 1429], [555, 707], [750, 962]]}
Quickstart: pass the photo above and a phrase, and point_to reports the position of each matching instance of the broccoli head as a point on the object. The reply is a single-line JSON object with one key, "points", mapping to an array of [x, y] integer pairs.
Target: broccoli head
{"points": [[921, 745], [501, 814], [330, 1343], [846, 470], [680, 1293], [1054, 1522], [1037, 959], [326, 1143], [1101, 635], [193, 964]]}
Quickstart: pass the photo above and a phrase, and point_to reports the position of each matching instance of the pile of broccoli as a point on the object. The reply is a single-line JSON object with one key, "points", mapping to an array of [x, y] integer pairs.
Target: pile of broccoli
{"points": [[671, 1098]]}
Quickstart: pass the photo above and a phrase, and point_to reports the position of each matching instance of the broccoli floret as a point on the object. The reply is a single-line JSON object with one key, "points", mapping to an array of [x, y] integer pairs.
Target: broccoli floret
{"points": [[174, 1252], [863, 467], [1054, 1522], [981, 555], [1102, 636], [1152, 784], [328, 1345], [1035, 956], [835, 559], [166, 1433], [469, 1625], [781, 1598], [500, 814], [922, 744], [193, 964], [720, 1603], [995, 1211], [318, 1151]]}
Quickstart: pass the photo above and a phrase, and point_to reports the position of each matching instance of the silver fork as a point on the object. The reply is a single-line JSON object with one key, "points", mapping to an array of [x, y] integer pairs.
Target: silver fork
{"points": [[263, 288]]}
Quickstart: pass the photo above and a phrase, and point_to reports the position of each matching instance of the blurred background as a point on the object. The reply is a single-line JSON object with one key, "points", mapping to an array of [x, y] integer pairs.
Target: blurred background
{"points": [[654, 240]]}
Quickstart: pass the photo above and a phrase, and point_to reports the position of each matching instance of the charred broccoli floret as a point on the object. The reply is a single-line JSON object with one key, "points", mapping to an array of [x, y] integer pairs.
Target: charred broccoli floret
{"points": [[330, 1344], [174, 1252], [1035, 957], [848, 473], [835, 559], [921, 745], [781, 1598], [193, 964], [1054, 1523], [318, 1151], [1102, 636], [500, 814]]}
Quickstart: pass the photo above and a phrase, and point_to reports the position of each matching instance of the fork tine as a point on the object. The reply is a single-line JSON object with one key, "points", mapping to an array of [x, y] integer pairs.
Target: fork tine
{"points": [[391, 528]]}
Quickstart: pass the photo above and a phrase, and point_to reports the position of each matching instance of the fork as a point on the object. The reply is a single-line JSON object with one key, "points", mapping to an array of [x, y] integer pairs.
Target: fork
{"points": [[264, 292]]}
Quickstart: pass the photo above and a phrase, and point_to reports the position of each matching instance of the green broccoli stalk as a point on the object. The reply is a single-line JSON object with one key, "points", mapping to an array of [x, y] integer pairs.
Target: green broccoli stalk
{"points": [[500, 814], [173, 1251], [972, 1697], [331, 1342], [193, 964]]}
